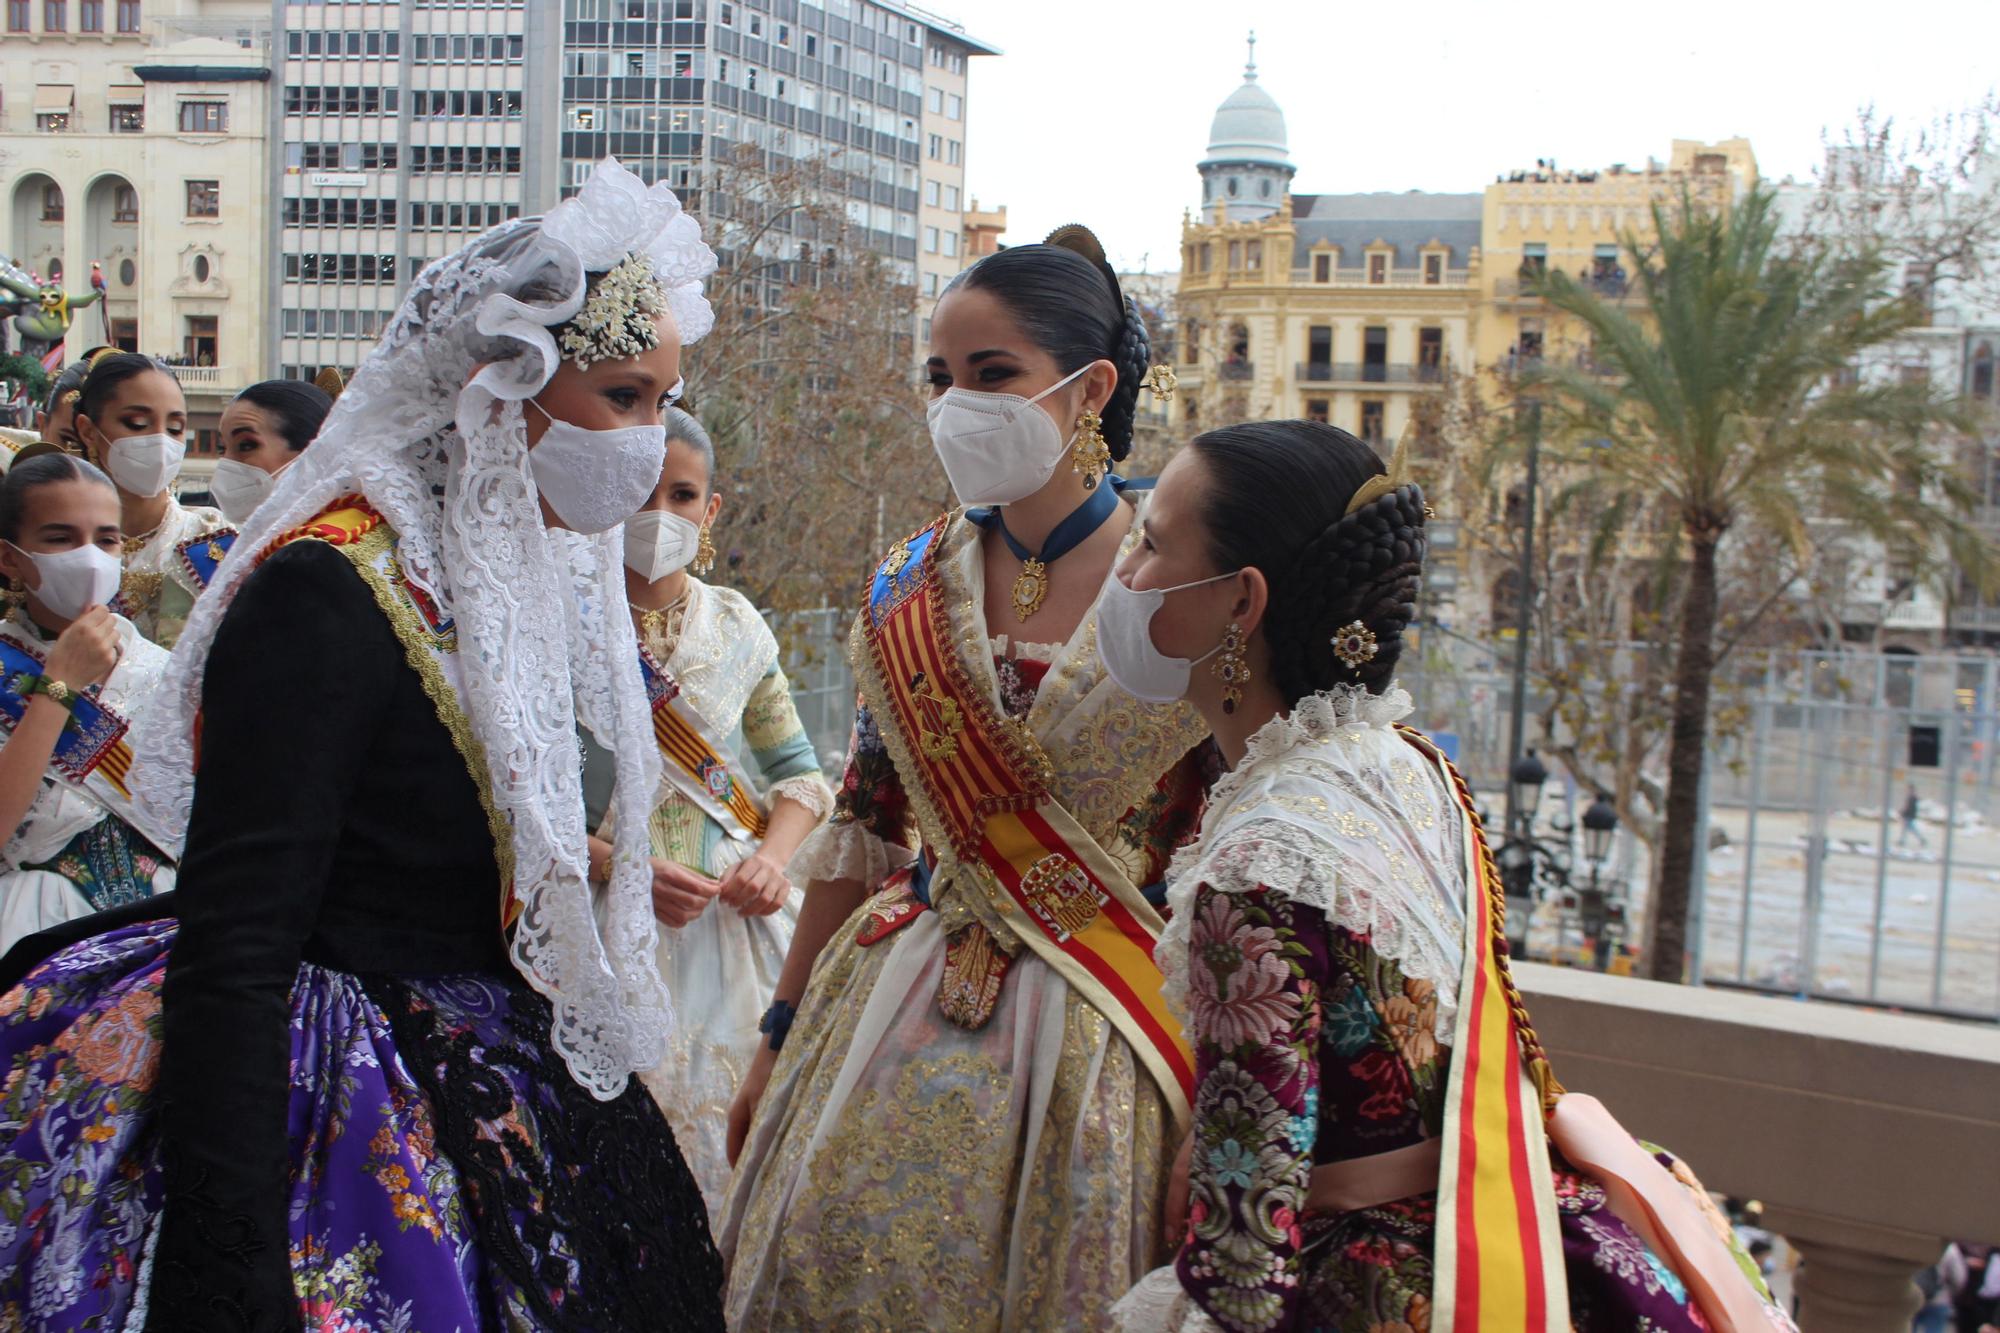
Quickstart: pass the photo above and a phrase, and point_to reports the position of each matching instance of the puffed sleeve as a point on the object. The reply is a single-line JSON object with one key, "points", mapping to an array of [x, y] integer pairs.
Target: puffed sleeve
{"points": [[295, 690], [872, 831], [780, 748]]}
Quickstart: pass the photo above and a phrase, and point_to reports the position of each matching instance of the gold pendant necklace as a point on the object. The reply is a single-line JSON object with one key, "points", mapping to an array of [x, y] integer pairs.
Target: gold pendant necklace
{"points": [[1031, 586]]}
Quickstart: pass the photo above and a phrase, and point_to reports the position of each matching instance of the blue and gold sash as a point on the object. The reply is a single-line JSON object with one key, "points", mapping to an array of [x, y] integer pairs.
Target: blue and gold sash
{"points": [[697, 764], [980, 783], [200, 556]]}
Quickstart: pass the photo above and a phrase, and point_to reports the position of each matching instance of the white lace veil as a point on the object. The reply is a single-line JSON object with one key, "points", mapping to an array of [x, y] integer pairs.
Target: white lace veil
{"points": [[431, 432]]}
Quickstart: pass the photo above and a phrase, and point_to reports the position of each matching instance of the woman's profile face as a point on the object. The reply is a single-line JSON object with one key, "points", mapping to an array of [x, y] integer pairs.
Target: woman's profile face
{"points": [[611, 395], [1173, 551], [59, 424], [253, 435]]}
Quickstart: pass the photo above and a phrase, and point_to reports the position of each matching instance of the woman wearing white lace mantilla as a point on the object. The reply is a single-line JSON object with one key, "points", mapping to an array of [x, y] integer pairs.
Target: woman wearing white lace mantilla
{"points": [[369, 1065], [722, 831], [1378, 1139]]}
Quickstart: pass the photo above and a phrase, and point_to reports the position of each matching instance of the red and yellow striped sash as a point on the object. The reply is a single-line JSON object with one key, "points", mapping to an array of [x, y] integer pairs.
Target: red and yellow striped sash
{"points": [[717, 786]]}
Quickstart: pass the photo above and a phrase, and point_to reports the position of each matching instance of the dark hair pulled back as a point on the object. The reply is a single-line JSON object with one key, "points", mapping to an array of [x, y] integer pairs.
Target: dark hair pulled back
{"points": [[1275, 497], [107, 373], [298, 407], [1065, 295], [41, 470], [682, 425], [69, 384]]}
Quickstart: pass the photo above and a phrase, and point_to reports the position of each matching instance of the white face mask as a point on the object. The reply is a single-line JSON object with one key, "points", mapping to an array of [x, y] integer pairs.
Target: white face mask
{"points": [[596, 479], [997, 447], [73, 581], [145, 464], [658, 543], [238, 488], [1125, 640]]}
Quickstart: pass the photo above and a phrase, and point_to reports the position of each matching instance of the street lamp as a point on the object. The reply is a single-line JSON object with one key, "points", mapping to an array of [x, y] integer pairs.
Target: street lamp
{"points": [[1600, 826], [1524, 782]]}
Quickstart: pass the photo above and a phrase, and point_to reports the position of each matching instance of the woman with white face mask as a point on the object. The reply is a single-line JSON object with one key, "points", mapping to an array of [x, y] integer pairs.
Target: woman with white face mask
{"points": [[371, 1061], [1366, 1077], [264, 429], [71, 674], [132, 420], [741, 790], [979, 1058]]}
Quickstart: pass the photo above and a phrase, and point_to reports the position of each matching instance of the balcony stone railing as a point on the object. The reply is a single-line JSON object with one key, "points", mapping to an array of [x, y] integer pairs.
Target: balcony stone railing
{"points": [[1871, 1138], [1363, 372]]}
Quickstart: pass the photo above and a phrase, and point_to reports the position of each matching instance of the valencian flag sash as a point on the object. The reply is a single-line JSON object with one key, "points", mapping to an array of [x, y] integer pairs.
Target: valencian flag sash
{"points": [[980, 783], [92, 754], [698, 765], [200, 556]]}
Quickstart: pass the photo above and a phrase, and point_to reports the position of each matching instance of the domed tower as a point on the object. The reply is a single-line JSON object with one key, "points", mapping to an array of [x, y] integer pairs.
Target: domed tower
{"points": [[1249, 163]]}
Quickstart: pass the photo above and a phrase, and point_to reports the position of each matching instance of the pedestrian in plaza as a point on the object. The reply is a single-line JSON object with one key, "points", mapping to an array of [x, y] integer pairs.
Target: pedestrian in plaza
{"points": [[72, 673], [1378, 1139], [369, 1066], [973, 1116], [741, 790], [1912, 809], [132, 419]]}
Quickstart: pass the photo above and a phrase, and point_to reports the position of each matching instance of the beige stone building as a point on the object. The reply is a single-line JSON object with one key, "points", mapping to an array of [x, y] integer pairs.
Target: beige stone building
{"points": [[136, 140]]}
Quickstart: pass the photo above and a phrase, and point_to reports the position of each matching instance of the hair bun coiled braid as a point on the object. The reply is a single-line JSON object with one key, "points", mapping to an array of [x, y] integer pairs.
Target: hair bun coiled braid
{"points": [[1366, 566], [1131, 348]]}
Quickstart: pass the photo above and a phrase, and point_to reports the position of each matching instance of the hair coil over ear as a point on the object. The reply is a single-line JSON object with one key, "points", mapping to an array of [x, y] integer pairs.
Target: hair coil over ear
{"points": [[1131, 351]]}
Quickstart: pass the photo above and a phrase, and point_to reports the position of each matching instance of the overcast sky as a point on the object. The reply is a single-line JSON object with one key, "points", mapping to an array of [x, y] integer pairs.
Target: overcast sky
{"points": [[1099, 109]]}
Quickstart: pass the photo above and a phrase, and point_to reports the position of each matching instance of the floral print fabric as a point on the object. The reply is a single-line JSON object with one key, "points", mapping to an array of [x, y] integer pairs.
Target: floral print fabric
{"points": [[1311, 1049]]}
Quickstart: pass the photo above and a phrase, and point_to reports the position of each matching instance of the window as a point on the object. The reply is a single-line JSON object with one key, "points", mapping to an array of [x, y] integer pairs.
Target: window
{"points": [[90, 16], [930, 240], [784, 34], [1433, 269], [17, 15], [1430, 353], [204, 199], [1534, 260], [750, 78], [931, 193], [930, 284], [52, 123], [1191, 343], [756, 25], [951, 244], [1235, 255], [727, 15], [204, 117], [1375, 354], [55, 270], [1319, 353], [936, 147], [125, 206], [954, 107], [951, 198], [1264, 188], [128, 15], [55, 15], [128, 120], [1254, 255], [198, 342], [1316, 409], [955, 153], [1371, 422], [812, 45], [1378, 268], [125, 333], [937, 101], [128, 272], [1206, 255], [202, 268]]}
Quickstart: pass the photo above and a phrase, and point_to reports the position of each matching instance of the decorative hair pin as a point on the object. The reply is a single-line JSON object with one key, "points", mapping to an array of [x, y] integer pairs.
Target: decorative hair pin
{"points": [[618, 319], [1162, 381], [1376, 487], [330, 382], [1355, 645]]}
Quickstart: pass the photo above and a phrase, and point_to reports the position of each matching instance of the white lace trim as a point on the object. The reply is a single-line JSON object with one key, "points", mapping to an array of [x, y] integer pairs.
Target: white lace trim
{"points": [[430, 431], [847, 851], [1045, 653], [1332, 810], [809, 790], [1160, 1304]]}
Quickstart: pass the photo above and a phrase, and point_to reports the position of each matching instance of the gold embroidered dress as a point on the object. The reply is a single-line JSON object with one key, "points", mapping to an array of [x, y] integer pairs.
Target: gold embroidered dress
{"points": [[723, 967], [905, 1169], [158, 590]]}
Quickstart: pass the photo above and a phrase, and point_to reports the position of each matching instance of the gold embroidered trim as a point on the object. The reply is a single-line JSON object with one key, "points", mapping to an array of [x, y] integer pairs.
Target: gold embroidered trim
{"points": [[417, 643]]}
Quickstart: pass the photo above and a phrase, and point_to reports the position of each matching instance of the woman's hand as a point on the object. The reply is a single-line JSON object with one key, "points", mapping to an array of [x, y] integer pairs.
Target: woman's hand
{"points": [[756, 885], [84, 653], [680, 895], [1177, 1194], [744, 1108]]}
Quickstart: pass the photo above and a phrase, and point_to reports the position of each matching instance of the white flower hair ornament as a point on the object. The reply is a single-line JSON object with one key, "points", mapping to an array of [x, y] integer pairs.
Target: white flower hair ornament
{"points": [[653, 261]]}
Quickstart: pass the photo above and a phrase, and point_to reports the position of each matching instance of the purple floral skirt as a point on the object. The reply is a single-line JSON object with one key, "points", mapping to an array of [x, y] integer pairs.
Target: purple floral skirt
{"points": [[447, 1174]]}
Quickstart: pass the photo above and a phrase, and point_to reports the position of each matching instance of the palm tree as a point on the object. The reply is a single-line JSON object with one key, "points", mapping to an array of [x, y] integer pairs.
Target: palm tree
{"points": [[1730, 397]]}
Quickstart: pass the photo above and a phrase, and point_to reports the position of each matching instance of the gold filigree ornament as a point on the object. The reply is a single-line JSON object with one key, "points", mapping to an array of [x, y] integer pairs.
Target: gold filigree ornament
{"points": [[1093, 456], [704, 556], [1031, 587], [617, 321], [939, 721], [1355, 645], [1230, 667], [1162, 382]]}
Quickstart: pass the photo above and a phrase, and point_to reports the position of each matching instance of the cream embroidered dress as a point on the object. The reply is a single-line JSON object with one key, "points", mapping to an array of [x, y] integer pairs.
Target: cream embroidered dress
{"points": [[723, 967], [904, 1171], [72, 855], [158, 590]]}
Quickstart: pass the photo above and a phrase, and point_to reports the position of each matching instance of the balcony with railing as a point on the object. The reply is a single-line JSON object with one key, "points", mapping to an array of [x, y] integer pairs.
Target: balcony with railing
{"points": [[1525, 287], [1236, 370], [1369, 374]]}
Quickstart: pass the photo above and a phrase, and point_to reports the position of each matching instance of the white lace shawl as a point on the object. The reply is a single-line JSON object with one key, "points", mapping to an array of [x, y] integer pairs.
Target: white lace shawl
{"points": [[1332, 809], [431, 432]]}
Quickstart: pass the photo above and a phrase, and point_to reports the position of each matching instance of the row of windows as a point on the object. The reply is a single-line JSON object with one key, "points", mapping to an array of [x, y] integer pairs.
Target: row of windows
{"points": [[438, 103], [460, 217], [950, 151], [89, 15], [336, 323], [351, 101], [374, 42], [453, 48], [351, 212], [124, 204], [941, 196], [317, 267], [949, 105], [453, 158], [194, 118], [341, 156]]}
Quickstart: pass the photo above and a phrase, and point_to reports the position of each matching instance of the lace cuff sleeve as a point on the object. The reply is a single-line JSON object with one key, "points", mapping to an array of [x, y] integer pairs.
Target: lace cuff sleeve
{"points": [[1159, 1304], [848, 851], [807, 789]]}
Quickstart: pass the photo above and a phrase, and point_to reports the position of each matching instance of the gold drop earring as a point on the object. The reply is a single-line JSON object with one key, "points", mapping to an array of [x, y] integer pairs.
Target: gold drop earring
{"points": [[704, 555], [1230, 668], [1093, 455]]}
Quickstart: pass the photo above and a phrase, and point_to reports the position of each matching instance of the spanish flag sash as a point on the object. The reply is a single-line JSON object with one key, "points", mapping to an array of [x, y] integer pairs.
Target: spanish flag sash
{"points": [[981, 783], [93, 754], [201, 556], [1499, 1260], [697, 763]]}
